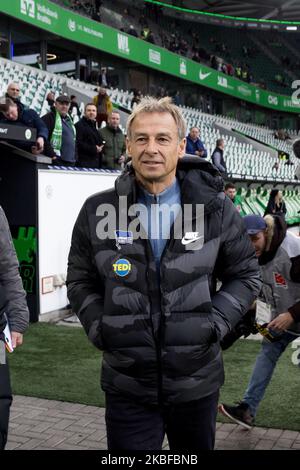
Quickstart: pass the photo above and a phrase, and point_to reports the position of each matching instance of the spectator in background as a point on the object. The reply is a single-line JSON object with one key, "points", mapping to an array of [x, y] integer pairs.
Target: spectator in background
{"points": [[151, 37], [217, 157], [96, 14], [276, 204], [275, 166], [103, 104], [281, 134], [194, 146], [61, 144], [145, 33], [13, 114], [230, 191], [132, 31], [177, 98], [137, 96], [74, 110], [114, 143], [13, 92], [89, 142], [230, 70], [14, 310], [238, 72], [278, 253], [50, 98], [38, 63], [103, 77], [214, 62]]}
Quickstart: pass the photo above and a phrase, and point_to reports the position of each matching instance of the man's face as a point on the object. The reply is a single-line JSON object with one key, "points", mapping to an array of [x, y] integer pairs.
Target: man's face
{"points": [[13, 90], [62, 108], [114, 120], [194, 133], [91, 112], [259, 241], [231, 192], [12, 113], [155, 147]]}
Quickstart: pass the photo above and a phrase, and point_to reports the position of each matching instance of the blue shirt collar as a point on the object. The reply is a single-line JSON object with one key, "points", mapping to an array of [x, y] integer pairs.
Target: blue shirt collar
{"points": [[165, 197]]}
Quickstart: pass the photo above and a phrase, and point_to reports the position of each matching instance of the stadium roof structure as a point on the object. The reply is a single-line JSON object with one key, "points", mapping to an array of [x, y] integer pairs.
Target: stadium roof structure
{"points": [[276, 10]]}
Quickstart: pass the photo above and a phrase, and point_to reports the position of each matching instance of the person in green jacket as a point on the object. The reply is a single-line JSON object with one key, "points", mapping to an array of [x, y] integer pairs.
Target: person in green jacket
{"points": [[114, 143], [230, 191]]}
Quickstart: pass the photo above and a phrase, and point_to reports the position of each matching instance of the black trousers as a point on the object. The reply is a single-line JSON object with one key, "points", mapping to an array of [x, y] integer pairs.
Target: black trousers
{"points": [[189, 426], [5, 402]]}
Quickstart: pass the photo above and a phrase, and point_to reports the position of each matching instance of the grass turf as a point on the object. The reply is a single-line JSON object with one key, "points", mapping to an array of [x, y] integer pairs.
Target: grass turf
{"points": [[59, 363]]}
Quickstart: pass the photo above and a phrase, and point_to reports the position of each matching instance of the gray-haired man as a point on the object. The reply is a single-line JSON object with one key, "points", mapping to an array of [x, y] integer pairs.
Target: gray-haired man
{"points": [[149, 302]]}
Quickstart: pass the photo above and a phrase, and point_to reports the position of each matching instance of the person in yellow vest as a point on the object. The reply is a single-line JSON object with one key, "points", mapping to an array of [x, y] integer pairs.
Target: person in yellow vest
{"points": [[103, 104], [238, 72]]}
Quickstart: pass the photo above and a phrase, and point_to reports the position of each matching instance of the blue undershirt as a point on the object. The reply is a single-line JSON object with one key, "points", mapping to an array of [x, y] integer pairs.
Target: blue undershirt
{"points": [[157, 223]]}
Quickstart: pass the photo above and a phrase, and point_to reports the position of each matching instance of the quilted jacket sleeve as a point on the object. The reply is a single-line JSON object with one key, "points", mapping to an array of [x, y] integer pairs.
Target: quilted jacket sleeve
{"points": [[83, 282], [10, 279], [237, 268]]}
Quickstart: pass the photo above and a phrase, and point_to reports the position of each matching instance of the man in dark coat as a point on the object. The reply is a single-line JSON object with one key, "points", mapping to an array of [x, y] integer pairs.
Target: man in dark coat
{"points": [[14, 315], [142, 273], [89, 142], [61, 144], [218, 159], [14, 114], [13, 92], [194, 145]]}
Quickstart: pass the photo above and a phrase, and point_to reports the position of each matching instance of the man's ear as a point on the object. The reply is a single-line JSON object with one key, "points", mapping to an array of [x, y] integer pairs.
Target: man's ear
{"points": [[182, 145], [128, 146]]}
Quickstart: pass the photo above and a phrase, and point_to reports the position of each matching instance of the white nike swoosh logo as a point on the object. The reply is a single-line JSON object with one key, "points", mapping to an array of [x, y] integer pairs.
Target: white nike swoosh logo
{"points": [[202, 75], [187, 241]]}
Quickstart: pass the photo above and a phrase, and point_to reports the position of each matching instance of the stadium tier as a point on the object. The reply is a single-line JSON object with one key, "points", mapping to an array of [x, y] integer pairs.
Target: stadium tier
{"points": [[265, 57], [243, 159]]}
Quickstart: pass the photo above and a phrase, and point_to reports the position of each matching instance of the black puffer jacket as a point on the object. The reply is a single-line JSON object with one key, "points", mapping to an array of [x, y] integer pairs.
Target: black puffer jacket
{"points": [[87, 137], [162, 342], [12, 294]]}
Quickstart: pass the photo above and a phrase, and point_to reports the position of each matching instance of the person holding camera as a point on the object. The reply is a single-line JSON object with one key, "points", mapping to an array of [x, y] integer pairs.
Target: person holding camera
{"points": [[277, 309]]}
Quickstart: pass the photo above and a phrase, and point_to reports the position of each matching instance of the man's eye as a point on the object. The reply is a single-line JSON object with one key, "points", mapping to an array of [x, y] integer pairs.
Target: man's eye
{"points": [[141, 139], [163, 139]]}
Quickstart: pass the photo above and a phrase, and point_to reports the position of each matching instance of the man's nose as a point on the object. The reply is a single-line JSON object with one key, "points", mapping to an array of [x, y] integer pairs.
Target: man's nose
{"points": [[151, 146]]}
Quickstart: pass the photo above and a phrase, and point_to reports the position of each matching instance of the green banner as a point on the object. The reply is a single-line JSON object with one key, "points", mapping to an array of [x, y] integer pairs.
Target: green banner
{"points": [[69, 25]]}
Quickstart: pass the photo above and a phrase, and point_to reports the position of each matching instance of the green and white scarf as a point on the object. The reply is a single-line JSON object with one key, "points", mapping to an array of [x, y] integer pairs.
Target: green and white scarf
{"points": [[56, 138]]}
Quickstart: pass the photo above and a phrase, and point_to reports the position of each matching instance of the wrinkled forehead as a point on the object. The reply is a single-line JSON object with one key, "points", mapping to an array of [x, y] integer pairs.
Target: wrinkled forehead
{"points": [[13, 87], [162, 122]]}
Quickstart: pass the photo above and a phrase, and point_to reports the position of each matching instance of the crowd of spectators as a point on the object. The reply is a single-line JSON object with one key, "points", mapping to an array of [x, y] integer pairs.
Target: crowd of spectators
{"points": [[170, 34], [94, 139]]}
